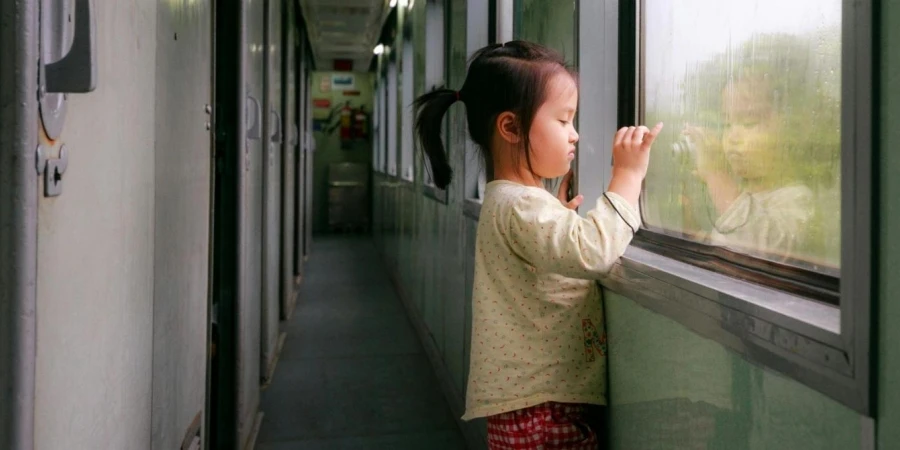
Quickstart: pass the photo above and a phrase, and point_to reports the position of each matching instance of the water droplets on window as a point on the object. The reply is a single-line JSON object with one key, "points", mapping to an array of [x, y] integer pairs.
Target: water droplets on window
{"points": [[750, 155]]}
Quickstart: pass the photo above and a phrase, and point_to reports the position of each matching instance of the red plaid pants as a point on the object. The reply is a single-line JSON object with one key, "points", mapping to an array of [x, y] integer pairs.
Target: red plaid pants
{"points": [[548, 426]]}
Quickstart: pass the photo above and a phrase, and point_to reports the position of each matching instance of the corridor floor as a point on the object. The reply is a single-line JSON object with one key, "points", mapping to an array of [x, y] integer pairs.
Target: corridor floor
{"points": [[352, 374]]}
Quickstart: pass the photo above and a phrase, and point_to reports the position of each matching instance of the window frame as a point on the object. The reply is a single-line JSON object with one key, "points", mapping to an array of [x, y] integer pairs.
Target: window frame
{"points": [[377, 126], [381, 134], [479, 14], [392, 95], [434, 81], [826, 347], [378, 120], [792, 278]]}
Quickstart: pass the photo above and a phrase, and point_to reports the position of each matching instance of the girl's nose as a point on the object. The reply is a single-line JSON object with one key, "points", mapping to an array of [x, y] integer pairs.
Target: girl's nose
{"points": [[573, 138], [733, 138]]}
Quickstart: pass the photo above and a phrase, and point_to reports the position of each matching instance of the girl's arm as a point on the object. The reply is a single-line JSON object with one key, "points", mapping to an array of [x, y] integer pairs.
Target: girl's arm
{"points": [[554, 239]]}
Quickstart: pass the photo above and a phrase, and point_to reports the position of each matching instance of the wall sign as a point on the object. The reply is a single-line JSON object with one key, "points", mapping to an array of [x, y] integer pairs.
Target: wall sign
{"points": [[343, 81]]}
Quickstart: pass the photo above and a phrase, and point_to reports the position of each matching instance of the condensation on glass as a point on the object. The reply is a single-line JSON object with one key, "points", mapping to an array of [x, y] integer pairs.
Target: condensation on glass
{"points": [[750, 158]]}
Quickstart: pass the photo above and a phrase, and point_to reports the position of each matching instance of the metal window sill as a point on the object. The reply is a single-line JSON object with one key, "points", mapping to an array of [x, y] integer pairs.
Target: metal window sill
{"points": [[472, 208], [435, 193], [793, 335]]}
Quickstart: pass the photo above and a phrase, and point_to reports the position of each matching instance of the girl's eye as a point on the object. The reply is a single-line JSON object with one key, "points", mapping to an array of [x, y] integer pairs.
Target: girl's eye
{"points": [[564, 122]]}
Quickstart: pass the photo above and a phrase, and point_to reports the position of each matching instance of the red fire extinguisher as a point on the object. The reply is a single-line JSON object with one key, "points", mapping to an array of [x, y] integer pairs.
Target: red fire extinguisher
{"points": [[346, 122], [360, 123]]}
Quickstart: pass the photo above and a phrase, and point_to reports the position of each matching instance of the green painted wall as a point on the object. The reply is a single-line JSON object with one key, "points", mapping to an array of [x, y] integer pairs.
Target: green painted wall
{"points": [[670, 388], [328, 145]]}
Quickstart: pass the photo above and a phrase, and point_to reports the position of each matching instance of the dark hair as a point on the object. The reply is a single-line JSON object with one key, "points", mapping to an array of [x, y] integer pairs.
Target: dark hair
{"points": [[502, 77]]}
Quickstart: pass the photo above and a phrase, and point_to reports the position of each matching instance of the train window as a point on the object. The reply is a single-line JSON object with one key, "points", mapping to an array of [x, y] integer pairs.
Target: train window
{"points": [[549, 22], [503, 25], [757, 214], [392, 147], [386, 124], [435, 38], [407, 75], [435, 60], [478, 35], [380, 122], [376, 129], [746, 175]]}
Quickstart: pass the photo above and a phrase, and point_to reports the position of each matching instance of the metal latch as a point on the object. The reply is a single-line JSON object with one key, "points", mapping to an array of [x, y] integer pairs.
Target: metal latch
{"points": [[254, 118], [52, 169], [77, 70]]}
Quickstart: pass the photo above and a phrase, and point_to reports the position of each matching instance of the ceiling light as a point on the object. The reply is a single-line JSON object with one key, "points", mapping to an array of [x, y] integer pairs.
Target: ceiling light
{"points": [[393, 3], [379, 49]]}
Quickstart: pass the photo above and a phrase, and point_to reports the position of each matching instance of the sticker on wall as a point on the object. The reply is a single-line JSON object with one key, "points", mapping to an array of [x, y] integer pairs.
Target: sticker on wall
{"points": [[343, 82], [321, 103], [352, 93]]}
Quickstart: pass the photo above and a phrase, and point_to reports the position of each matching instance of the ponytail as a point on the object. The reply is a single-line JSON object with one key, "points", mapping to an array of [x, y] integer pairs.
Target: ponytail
{"points": [[431, 109]]}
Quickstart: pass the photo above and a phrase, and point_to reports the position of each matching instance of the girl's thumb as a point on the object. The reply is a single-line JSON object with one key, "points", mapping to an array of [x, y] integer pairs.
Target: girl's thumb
{"points": [[575, 202]]}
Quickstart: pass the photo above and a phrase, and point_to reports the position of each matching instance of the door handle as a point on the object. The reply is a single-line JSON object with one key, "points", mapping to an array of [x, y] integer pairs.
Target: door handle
{"points": [[77, 71], [253, 118], [276, 128]]}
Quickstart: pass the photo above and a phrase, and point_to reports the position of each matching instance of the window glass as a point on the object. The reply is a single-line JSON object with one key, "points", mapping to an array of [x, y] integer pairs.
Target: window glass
{"points": [[548, 22], [383, 126], [749, 159], [407, 80], [434, 43], [435, 56], [478, 28], [376, 129], [391, 124]]}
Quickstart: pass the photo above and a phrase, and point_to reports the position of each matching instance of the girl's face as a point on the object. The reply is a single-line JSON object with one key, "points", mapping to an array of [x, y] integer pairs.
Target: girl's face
{"points": [[553, 134], [750, 138]]}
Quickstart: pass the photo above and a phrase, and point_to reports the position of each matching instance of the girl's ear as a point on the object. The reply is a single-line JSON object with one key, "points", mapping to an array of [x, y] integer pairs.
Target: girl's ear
{"points": [[508, 127]]}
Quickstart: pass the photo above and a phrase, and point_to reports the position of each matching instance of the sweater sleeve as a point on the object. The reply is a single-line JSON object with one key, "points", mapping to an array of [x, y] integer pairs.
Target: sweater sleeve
{"points": [[555, 239]]}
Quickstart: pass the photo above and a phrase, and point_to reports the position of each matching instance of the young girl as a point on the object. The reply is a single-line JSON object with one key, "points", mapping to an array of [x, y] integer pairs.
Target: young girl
{"points": [[538, 357]]}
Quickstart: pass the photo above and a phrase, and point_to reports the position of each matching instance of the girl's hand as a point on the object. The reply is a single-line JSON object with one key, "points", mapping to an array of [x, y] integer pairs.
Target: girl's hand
{"points": [[631, 156], [631, 150], [563, 194], [710, 157]]}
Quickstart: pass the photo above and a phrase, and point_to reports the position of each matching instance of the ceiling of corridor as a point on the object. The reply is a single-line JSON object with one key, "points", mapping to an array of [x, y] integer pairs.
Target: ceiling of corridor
{"points": [[344, 29]]}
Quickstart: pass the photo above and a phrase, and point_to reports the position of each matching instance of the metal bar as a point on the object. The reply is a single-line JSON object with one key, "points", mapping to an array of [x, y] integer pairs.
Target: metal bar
{"points": [[19, 36]]}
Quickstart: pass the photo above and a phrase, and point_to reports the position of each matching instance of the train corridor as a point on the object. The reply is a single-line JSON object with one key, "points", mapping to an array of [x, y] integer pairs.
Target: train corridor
{"points": [[352, 373]]}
